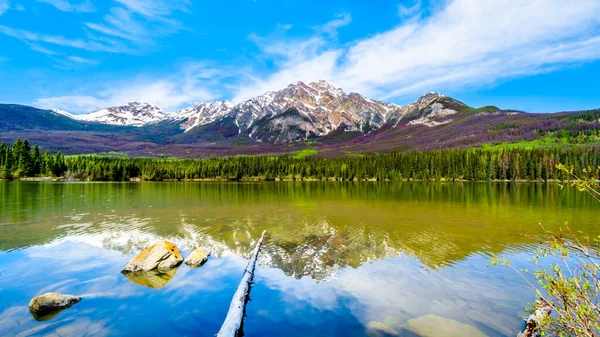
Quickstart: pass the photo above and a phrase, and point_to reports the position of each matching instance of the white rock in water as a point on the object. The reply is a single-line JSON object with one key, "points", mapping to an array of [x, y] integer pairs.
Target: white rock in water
{"points": [[163, 255], [51, 302], [434, 326], [197, 258]]}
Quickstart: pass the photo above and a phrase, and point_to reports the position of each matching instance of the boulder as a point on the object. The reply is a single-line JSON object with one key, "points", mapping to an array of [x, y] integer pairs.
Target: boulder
{"points": [[163, 255], [197, 258], [48, 305]]}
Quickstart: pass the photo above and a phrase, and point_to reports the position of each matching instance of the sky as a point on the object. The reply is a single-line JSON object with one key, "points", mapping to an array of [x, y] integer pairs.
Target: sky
{"points": [[85, 55]]}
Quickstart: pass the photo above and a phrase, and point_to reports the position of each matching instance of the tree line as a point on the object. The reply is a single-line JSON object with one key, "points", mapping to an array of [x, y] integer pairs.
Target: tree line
{"points": [[21, 160], [477, 164]]}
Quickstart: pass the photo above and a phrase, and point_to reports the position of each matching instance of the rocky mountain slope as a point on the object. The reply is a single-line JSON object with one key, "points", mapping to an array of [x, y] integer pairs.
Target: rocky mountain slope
{"points": [[202, 114], [295, 113], [317, 115]]}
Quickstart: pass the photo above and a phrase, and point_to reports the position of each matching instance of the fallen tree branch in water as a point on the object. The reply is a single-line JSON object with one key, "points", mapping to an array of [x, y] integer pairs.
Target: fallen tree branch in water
{"points": [[232, 326], [542, 310]]}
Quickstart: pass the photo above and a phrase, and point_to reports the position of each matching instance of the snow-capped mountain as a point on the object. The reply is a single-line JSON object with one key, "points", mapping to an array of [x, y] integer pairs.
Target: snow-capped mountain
{"points": [[133, 114], [302, 110], [295, 113], [202, 114], [63, 113]]}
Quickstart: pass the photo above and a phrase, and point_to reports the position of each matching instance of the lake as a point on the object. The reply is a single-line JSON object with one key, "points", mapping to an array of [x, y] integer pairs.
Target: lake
{"points": [[339, 259]]}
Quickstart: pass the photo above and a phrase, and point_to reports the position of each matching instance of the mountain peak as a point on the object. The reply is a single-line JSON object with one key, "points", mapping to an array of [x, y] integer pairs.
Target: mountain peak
{"points": [[202, 113], [324, 86], [429, 97], [132, 113], [62, 112], [296, 112]]}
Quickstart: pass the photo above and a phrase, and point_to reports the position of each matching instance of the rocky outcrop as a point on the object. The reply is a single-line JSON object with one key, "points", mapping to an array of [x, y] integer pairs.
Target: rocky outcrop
{"points": [[163, 255], [197, 258], [48, 305]]}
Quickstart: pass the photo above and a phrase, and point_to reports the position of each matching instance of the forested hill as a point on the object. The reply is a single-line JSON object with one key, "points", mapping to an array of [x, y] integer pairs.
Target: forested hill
{"points": [[21, 160]]}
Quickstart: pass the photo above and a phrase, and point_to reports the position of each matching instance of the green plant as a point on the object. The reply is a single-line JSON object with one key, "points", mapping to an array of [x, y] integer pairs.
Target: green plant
{"points": [[571, 288]]}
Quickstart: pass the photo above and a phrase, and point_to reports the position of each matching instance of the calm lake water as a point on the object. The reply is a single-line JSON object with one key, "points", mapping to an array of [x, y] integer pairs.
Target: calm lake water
{"points": [[340, 259]]}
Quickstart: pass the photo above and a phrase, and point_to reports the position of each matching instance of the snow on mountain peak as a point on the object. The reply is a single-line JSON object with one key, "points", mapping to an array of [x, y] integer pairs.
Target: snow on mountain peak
{"points": [[203, 113], [296, 112], [62, 112], [133, 113]]}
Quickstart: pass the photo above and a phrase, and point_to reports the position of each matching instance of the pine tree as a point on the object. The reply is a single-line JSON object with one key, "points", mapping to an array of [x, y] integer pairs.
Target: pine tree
{"points": [[36, 160]]}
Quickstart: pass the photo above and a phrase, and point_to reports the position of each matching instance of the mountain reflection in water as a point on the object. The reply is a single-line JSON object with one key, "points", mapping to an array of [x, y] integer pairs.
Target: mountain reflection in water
{"points": [[339, 258]]}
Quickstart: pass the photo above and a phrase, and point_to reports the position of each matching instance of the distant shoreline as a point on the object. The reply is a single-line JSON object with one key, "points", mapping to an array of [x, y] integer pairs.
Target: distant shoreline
{"points": [[260, 179]]}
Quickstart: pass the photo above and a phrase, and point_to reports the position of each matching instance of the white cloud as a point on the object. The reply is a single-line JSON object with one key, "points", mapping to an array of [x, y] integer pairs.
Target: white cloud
{"points": [[3, 6], [193, 82], [66, 6], [31, 38], [464, 43], [73, 62], [410, 9], [307, 60], [70, 103], [140, 21], [41, 49], [78, 59], [128, 21], [157, 9], [331, 27]]}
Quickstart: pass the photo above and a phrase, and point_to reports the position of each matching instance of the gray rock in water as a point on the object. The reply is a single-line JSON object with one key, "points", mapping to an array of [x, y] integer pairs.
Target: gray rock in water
{"points": [[163, 255], [197, 258], [48, 305]]}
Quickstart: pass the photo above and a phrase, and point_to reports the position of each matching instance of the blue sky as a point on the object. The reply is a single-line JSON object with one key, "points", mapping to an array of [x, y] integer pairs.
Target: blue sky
{"points": [[83, 55]]}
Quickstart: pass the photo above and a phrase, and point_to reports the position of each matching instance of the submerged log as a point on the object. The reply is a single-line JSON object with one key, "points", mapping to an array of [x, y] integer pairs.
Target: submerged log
{"points": [[232, 326], [542, 310]]}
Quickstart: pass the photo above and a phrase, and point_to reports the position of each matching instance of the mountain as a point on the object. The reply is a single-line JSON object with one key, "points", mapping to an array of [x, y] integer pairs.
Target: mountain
{"points": [[318, 115], [202, 114], [17, 118], [131, 114], [298, 112], [304, 111], [63, 113]]}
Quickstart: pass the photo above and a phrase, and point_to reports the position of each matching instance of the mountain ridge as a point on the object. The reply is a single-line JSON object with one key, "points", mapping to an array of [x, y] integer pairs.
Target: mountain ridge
{"points": [[316, 115], [321, 109]]}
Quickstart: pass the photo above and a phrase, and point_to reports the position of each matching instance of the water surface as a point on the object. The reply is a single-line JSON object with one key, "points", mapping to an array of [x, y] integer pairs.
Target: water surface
{"points": [[347, 259]]}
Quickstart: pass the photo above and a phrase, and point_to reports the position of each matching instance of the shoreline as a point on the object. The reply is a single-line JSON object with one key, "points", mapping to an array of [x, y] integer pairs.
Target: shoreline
{"points": [[261, 179]]}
